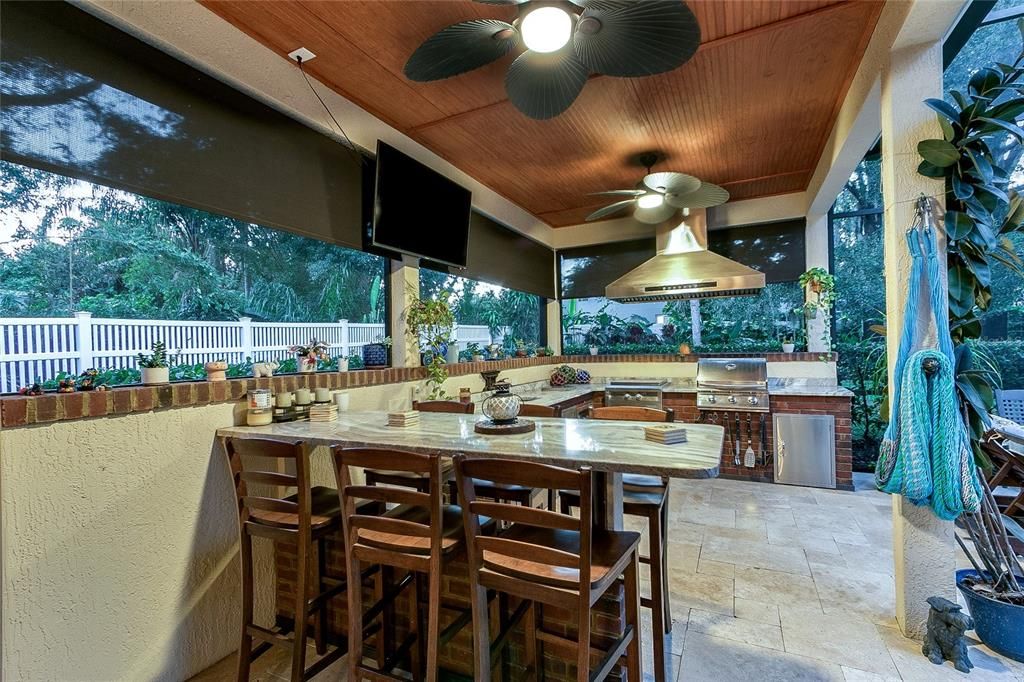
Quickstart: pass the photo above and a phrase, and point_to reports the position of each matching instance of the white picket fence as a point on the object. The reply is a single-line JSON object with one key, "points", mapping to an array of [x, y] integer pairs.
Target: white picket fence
{"points": [[41, 348]]}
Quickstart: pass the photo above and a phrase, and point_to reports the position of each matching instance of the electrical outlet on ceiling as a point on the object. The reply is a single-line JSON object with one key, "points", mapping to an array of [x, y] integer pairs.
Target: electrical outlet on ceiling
{"points": [[302, 53]]}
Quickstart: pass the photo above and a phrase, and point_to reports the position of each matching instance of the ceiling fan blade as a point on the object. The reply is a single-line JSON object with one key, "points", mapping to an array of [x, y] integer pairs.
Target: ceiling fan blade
{"points": [[543, 85], [460, 48], [611, 209], [672, 183], [629, 39], [618, 193], [653, 216], [707, 196]]}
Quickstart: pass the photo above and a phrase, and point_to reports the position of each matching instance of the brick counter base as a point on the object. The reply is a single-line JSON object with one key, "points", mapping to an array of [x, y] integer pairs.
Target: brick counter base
{"points": [[456, 656], [685, 406]]}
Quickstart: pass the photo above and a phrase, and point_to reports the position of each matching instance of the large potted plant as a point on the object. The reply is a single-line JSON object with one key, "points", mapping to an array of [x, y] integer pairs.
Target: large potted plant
{"points": [[155, 366], [981, 214], [431, 323], [994, 588]]}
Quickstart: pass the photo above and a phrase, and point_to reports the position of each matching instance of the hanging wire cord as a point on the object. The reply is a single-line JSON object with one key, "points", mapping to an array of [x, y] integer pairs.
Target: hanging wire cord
{"points": [[352, 148]]}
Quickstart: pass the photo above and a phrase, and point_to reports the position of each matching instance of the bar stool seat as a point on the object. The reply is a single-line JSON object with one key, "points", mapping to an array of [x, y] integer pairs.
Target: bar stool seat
{"points": [[610, 554], [325, 511], [451, 531]]}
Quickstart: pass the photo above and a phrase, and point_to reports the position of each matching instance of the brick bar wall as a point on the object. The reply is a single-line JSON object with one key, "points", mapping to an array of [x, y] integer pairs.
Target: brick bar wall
{"points": [[457, 656], [685, 406], [18, 410]]}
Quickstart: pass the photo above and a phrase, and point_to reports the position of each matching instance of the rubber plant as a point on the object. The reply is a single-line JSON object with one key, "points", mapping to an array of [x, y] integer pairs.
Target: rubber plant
{"points": [[431, 323], [981, 213]]}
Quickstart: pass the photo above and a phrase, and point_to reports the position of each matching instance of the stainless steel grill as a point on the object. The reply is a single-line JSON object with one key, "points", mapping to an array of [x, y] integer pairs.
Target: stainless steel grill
{"points": [[638, 392], [737, 384]]}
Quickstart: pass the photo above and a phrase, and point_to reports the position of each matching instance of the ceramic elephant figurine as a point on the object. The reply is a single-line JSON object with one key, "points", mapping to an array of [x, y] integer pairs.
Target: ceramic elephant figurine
{"points": [[264, 369]]}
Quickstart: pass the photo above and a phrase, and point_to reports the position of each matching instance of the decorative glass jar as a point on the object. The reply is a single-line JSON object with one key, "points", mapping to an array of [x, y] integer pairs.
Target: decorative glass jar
{"points": [[502, 406]]}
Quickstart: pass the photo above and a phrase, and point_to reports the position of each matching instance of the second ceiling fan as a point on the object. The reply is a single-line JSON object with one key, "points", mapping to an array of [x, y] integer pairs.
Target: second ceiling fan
{"points": [[565, 42], [659, 195]]}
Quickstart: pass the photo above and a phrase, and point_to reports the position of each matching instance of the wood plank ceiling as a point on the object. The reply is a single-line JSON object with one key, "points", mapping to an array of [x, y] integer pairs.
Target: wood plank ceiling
{"points": [[751, 111]]}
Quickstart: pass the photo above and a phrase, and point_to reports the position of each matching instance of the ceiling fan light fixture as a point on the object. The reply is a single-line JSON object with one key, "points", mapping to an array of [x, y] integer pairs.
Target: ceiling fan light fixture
{"points": [[650, 200], [546, 29]]}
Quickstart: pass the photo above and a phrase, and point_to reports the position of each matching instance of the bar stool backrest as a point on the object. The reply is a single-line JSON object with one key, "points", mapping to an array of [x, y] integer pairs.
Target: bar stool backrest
{"points": [[256, 510], [528, 410], [451, 406], [634, 413], [532, 475], [384, 539]]}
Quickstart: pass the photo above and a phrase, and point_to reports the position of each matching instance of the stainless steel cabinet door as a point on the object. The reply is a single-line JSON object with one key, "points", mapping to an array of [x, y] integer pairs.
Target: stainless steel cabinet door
{"points": [[805, 450]]}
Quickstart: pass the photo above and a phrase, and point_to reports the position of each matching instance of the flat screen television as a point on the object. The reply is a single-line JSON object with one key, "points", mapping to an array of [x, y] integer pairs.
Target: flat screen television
{"points": [[418, 211]]}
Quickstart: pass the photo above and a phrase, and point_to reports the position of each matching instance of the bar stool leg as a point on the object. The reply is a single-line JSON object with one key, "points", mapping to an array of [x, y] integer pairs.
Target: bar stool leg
{"points": [[433, 623], [355, 618], [633, 660], [664, 565], [583, 640], [416, 652], [245, 643], [530, 645], [301, 615], [320, 617], [657, 564], [481, 632]]}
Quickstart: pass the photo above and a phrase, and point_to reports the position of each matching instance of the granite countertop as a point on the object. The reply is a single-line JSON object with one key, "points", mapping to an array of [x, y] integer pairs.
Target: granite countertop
{"points": [[613, 446]]}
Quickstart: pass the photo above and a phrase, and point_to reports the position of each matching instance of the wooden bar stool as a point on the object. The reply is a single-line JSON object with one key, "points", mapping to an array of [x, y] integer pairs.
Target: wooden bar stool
{"points": [[645, 496], [419, 534], [547, 558], [301, 519], [407, 480]]}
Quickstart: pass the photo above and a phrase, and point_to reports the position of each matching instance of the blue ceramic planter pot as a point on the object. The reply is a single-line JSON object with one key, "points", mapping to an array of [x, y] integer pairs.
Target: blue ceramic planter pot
{"points": [[375, 355], [998, 624]]}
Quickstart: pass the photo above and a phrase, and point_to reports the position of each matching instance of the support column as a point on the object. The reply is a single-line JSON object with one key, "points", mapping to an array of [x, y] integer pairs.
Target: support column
{"points": [[922, 544], [405, 285], [816, 251], [553, 314]]}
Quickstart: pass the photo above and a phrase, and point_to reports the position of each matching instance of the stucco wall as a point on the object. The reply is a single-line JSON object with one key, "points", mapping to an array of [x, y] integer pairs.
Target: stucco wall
{"points": [[118, 535]]}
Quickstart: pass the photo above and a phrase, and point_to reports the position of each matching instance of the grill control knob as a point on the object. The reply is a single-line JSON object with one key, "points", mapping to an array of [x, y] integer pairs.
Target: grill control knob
{"points": [[752, 400], [711, 399], [732, 400]]}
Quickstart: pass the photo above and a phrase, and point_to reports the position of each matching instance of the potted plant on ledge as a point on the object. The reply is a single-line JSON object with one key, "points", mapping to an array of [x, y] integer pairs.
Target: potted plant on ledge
{"points": [[310, 354], [155, 366], [431, 322]]}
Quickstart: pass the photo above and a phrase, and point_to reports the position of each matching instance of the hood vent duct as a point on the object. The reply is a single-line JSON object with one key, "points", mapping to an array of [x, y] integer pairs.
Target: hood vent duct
{"points": [[684, 268]]}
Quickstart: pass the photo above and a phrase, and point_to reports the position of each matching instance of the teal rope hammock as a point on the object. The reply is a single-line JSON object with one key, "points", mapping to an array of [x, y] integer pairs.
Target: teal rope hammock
{"points": [[926, 452]]}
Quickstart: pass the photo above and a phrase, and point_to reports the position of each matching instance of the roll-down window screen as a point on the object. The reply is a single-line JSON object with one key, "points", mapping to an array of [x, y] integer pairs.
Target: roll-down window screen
{"points": [[81, 98], [501, 256]]}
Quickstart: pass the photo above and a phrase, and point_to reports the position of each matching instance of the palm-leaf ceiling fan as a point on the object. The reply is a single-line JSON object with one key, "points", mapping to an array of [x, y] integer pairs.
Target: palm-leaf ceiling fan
{"points": [[659, 195], [565, 41]]}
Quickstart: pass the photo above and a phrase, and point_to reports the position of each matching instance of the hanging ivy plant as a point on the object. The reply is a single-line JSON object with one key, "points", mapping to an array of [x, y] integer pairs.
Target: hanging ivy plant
{"points": [[823, 283], [981, 213]]}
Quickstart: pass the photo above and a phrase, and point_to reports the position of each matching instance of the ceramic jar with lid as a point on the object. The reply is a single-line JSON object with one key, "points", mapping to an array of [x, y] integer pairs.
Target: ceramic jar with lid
{"points": [[502, 406]]}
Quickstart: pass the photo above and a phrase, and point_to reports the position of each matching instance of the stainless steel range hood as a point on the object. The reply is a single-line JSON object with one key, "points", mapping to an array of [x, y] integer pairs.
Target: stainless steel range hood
{"points": [[684, 268]]}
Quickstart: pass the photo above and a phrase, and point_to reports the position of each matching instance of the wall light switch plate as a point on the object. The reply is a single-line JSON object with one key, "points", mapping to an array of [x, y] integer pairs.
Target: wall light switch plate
{"points": [[302, 52]]}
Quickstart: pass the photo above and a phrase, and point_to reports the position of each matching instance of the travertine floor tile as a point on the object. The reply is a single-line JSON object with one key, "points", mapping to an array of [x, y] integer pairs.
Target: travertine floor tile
{"points": [[707, 658]]}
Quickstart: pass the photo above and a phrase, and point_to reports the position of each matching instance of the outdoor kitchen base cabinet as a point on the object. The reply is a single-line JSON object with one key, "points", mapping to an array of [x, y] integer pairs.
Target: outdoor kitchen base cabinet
{"points": [[805, 449]]}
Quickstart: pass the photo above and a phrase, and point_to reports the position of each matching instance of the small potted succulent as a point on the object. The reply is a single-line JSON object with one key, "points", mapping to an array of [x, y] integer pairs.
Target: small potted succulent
{"points": [[87, 380], [788, 346], [155, 366], [521, 351], [376, 354], [310, 354]]}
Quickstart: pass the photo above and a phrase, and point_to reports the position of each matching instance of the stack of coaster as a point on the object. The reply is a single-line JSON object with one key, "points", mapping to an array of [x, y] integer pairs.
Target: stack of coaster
{"points": [[666, 434], [323, 412], [403, 419]]}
